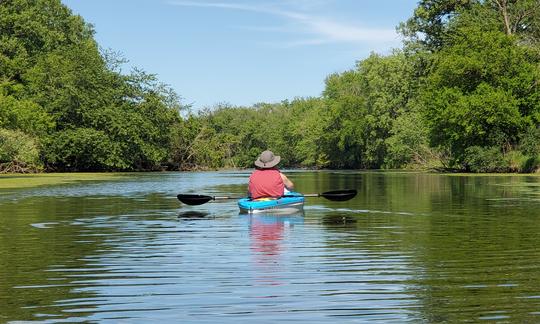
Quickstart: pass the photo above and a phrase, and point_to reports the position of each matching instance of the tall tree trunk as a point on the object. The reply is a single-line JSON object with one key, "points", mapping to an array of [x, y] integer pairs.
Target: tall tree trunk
{"points": [[503, 8]]}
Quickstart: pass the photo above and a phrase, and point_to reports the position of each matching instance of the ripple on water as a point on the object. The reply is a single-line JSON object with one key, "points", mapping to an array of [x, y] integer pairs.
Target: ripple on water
{"points": [[130, 252]]}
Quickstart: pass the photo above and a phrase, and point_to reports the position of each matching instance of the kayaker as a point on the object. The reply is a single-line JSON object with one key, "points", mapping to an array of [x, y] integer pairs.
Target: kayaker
{"points": [[267, 180]]}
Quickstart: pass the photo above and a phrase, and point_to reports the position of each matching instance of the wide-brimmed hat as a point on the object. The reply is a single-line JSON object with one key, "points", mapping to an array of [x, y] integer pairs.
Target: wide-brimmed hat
{"points": [[267, 160]]}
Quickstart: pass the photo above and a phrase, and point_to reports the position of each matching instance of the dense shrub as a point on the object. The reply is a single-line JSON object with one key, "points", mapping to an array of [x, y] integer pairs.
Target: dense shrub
{"points": [[484, 159], [80, 149], [19, 152], [531, 164], [530, 142]]}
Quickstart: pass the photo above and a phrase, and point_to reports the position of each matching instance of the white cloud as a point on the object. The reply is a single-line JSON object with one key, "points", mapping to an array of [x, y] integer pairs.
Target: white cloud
{"points": [[321, 29]]}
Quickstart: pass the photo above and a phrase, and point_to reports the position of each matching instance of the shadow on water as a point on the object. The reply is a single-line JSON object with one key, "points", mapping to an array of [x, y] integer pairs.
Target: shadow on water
{"points": [[193, 214], [343, 220]]}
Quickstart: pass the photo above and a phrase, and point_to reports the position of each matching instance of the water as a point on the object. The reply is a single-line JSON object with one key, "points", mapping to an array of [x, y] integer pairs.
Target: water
{"points": [[411, 247]]}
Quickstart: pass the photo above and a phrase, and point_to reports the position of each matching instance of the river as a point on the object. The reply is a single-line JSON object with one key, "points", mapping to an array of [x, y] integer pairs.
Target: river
{"points": [[410, 247]]}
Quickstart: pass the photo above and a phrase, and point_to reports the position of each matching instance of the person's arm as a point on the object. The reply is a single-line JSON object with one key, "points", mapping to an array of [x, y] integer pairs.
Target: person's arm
{"points": [[288, 183], [249, 187]]}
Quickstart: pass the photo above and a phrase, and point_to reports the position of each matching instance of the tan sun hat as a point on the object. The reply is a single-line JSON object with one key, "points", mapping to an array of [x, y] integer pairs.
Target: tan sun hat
{"points": [[267, 160]]}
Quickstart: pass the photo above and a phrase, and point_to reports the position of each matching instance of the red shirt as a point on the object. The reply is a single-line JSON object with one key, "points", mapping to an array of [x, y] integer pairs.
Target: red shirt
{"points": [[266, 183]]}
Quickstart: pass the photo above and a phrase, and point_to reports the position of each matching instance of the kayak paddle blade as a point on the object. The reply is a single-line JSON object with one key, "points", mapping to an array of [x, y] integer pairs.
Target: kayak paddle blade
{"points": [[194, 200], [340, 195]]}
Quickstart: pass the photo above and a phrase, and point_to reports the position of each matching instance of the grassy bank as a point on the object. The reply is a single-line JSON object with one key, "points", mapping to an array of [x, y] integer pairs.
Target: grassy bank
{"points": [[15, 181]]}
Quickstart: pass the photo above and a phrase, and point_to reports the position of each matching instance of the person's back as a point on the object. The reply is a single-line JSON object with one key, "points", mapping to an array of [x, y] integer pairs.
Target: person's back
{"points": [[266, 183], [267, 180]]}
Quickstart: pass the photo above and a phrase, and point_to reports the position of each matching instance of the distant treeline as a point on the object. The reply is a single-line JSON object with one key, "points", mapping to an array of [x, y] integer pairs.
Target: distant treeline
{"points": [[463, 93]]}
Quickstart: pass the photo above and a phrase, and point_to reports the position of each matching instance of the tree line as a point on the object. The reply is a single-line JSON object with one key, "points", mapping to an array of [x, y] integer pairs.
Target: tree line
{"points": [[462, 94]]}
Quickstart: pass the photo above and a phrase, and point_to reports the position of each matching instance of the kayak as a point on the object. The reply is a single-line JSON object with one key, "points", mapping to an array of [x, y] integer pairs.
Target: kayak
{"points": [[293, 202]]}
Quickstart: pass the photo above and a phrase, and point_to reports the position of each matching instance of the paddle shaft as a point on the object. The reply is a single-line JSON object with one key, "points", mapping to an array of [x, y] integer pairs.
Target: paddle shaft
{"points": [[284, 196], [337, 195], [225, 197]]}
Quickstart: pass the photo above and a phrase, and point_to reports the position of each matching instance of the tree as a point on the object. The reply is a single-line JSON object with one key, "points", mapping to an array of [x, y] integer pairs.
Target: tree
{"points": [[308, 126], [363, 106], [428, 25], [519, 17], [55, 84], [430, 22], [30, 28], [482, 91], [24, 115]]}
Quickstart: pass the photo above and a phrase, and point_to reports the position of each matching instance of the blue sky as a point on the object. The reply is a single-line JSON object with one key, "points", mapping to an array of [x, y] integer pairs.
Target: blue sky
{"points": [[243, 52]]}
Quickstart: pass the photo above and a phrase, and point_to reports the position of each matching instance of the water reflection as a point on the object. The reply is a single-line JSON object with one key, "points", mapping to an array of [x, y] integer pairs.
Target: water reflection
{"points": [[267, 231], [410, 248], [193, 214], [267, 243]]}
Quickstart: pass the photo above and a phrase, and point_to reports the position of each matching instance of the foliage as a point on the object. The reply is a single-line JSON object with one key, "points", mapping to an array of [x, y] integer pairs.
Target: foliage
{"points": [[80, 149], [57, 85], [530, 142], [19, 152], [428, 25], [491, 159], [480, 91], [30, 28], [408, 143], [307, 126], [484, 159], [463, 93], [24, 115], [529, 163], [364, 105]]}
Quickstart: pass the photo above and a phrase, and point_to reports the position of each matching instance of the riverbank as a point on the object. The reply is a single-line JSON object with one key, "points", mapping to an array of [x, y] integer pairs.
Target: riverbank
{"points": [[19, 181], [16, 181]]}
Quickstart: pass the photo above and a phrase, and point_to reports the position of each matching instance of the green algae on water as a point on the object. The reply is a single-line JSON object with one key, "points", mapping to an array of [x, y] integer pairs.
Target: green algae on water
{"points": [[15, 181]]}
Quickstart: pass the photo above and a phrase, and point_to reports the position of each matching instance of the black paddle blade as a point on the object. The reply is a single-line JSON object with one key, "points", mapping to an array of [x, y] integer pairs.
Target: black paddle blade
{"points": [[194, 200], [340, 195]]}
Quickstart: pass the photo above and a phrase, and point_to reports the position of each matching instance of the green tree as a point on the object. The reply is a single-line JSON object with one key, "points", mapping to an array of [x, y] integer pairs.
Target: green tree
{"points": [[30, 28], [308, 127], [24, 115], [57, 85], [429, 24], [363, 107], [481, 91], [79, 149]]}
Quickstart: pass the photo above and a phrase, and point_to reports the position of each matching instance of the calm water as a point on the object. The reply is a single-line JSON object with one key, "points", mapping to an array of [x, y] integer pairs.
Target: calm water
{"points": [[410, 247]]}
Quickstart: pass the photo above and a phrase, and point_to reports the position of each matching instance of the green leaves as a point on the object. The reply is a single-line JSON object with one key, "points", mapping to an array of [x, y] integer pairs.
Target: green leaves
{"points": [[428, 25], [55, 84], [479, 91], [29, 28], [363, 105], [83, 149], [18, 152], [465, 87], [24, 115]]}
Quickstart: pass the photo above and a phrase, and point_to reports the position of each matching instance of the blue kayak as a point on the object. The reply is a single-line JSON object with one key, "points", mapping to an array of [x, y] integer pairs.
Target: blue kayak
{"points": [[292, 202]]}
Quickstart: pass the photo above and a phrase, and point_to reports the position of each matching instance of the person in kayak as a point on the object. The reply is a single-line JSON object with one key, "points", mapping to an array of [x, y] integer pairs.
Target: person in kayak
{"points": [[267, 180]]}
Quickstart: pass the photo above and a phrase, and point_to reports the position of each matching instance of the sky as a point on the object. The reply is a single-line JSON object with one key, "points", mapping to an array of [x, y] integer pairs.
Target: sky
{"points": [[243, 52]]}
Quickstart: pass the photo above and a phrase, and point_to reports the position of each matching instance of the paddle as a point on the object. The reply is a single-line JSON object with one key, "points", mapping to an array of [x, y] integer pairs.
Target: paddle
{"points": [[336, 195]]}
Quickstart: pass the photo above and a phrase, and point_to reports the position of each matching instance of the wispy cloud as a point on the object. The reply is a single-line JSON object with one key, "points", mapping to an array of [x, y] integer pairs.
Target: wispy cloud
{"points": [[319, 28]]}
